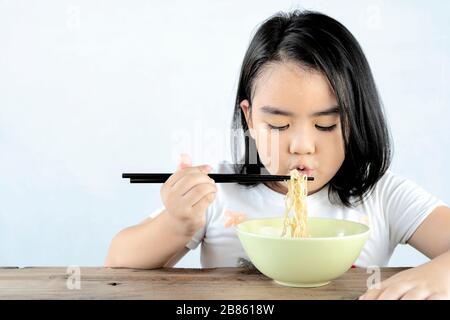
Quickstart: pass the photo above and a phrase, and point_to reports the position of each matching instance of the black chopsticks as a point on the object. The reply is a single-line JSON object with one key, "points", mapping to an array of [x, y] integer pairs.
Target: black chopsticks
{"points": [[217, 177]]}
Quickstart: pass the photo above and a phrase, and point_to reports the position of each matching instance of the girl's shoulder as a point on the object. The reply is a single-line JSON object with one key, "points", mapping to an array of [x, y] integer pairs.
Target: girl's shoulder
{"points": [[390, 180], [394, 192], [398, 192], [404, 204], [393, 182]]}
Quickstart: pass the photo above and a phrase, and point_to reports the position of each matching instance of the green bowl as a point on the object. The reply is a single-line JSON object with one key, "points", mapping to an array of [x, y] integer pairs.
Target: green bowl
{"points": [[332, 248]]}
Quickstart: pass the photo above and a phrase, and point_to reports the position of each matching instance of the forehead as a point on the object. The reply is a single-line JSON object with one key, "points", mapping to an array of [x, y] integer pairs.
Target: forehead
{"points": [[289, 86]]}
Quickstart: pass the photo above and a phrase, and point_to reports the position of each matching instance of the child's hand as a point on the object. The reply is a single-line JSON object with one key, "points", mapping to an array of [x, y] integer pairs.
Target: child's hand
{"points": [[429, 281], [186, 195]]}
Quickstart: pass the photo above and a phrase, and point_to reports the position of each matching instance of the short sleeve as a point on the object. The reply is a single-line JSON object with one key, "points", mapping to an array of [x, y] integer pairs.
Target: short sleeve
{"points": [[406, 206], [196, 238], [157, 212]]}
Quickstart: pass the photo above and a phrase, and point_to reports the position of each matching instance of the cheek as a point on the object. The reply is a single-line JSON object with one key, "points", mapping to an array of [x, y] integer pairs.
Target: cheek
{"points": [[270, 145], [331, 150], [263, 142]]}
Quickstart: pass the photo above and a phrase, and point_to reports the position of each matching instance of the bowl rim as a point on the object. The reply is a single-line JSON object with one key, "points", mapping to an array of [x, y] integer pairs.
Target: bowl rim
{"points": [[266, 236]]}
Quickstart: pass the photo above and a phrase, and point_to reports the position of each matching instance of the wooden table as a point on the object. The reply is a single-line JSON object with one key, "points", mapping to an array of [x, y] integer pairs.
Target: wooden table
{"points": [[170, 283]]}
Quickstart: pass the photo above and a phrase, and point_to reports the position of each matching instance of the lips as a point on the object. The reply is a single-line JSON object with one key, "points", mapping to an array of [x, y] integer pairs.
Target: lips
{"points": [[305, 170], [308, 172]]}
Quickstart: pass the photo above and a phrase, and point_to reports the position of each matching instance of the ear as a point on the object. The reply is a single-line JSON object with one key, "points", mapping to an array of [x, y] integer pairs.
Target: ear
{"points": [[245, 106]]}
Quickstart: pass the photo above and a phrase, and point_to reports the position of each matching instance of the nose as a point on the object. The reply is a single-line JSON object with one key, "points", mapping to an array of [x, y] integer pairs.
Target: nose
{"points": [[302, 142]]}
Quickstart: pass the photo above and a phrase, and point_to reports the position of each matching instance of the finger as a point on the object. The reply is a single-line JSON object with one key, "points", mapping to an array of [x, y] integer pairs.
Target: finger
{"points": [[392, 280], [184, 161], [204, 203], [415, 294], [394, 292], [172, 180], [371, 294], [198, 192], [188, 181], [437, 296]]}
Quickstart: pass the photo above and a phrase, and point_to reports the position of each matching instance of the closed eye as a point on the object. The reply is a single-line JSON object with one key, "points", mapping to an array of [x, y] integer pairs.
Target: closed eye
{"points": [[278, 128], [330, 128]]}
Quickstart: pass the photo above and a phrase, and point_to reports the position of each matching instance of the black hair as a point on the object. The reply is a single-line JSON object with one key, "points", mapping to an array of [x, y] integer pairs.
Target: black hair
{"points": [[317, 41]]}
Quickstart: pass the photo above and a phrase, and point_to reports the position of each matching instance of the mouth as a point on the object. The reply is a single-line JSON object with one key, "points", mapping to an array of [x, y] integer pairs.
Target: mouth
{"points": [[308, 172], [305, 170]]}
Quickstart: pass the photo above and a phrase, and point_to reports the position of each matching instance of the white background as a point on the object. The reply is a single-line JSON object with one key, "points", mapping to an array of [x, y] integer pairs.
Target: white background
{"points": [[91, 89]]}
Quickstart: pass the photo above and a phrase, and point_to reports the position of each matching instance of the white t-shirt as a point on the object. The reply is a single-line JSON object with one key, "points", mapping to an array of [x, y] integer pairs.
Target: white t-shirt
{"points": [[393, 211]]}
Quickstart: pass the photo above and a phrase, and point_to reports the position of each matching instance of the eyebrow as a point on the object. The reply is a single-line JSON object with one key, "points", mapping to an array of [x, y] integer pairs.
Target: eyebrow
{"points": [[276, 111]]}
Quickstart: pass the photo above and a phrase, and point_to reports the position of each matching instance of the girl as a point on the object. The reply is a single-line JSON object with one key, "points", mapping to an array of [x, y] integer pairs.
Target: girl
{"points": [[306, 100]]}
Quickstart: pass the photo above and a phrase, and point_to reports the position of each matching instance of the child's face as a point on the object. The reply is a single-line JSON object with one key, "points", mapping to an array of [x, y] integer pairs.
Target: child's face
{"points": [[301, 93]]}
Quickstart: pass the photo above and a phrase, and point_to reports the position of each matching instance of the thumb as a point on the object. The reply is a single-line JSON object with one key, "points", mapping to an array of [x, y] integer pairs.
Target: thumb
{"points": [[184, 161]]}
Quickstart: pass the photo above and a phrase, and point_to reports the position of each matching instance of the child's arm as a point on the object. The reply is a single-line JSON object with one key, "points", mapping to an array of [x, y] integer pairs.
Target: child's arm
{"points": [[162, 241], [432, 237], [151, 244], [430, 280]]}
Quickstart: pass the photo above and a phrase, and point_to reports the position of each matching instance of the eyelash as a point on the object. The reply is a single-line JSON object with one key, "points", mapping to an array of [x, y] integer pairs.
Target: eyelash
{"points": [[330, 128], [277, 128]]}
